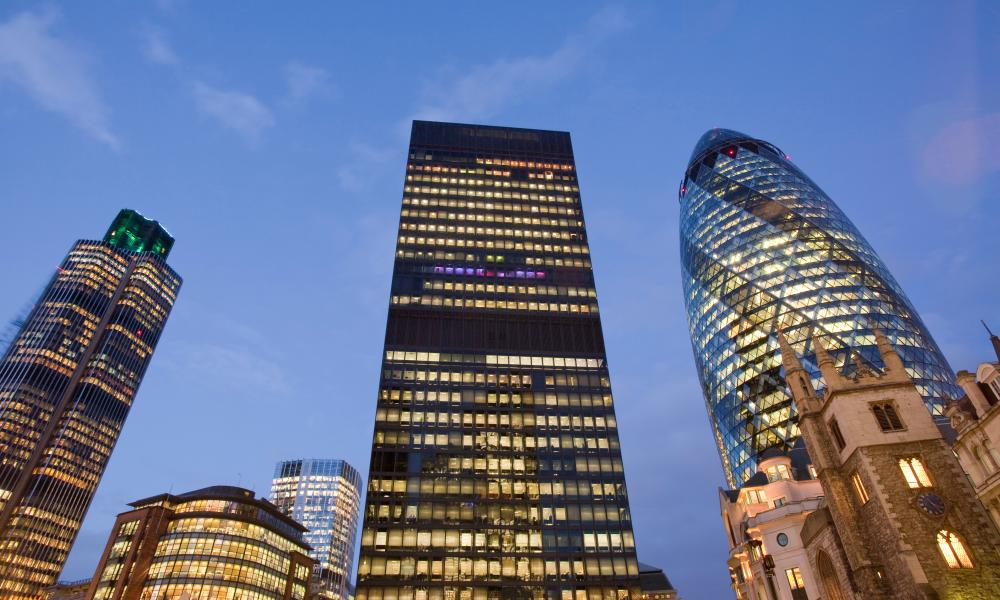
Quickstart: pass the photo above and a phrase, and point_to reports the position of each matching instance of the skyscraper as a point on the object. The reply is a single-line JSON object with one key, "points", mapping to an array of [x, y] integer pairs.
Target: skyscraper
{"points": [[66, 384], [325, 497], [763, 246], [496, 470]]}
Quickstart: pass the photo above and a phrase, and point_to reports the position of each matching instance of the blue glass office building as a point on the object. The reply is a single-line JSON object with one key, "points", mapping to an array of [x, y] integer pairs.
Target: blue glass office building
{"points": [[761, 247], [324, 495]]}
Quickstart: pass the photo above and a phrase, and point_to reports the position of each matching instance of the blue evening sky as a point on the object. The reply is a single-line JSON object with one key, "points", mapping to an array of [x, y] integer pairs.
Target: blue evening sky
{"points": [[270, 140]]}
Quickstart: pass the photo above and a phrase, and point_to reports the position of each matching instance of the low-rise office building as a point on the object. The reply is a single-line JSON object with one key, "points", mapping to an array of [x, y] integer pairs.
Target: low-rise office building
{"points": [[218, 542]]}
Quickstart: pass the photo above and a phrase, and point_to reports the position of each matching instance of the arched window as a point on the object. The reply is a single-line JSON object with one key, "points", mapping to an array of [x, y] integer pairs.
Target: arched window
{"points": [[914, 472], [982, 459], [828, 577], [991, 454], [953, 550]]}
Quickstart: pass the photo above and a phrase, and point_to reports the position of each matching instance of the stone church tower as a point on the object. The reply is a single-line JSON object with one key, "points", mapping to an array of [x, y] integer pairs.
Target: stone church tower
{"points": [[900, 518]]}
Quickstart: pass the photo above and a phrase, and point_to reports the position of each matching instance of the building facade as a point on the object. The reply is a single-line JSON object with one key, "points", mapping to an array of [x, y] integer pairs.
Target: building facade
{"points": [[68, 590], [976, 420], [763, 519], [496, 469], [325, 497], [218, 542], [67, 382], [900, 519], [654, 584], [762, 244]]}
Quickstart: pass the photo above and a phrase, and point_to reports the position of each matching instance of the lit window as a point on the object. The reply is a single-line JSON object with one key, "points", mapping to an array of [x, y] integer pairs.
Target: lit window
{"points": [[859, 488], [953, 550], [795, 583], [756, 497], [887, 417], [778, 472], [837, 436], [914, 472]]}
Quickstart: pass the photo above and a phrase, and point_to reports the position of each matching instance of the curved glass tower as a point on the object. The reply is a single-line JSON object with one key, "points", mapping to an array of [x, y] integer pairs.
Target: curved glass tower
{"points": [[762, 246]]}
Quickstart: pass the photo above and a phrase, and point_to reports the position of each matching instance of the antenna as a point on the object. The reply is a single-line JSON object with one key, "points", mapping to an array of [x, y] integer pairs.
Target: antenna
{"points": [[987, 327]]}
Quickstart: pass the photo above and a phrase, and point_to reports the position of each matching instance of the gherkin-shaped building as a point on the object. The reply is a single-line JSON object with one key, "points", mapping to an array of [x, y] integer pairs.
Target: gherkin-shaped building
{"points": [[763, 247]]}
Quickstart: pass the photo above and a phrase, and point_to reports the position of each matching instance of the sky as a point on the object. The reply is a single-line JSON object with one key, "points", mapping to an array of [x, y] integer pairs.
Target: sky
{"points": [[270, 140]]}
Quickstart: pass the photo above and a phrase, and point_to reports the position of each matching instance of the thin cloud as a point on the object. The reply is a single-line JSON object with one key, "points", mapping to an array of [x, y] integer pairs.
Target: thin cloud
{"points": [[53, 72], [488, 88], [961, 151], [232, 366], [306, 82], [156, 48], [365, 167], [238, 111]]}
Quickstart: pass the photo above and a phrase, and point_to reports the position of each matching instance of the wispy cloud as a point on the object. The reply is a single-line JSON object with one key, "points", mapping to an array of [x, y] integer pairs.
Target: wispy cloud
{"points": [[307, 82], [236, 367], [53, 72], [962, 150], [488, 88], [366, 165], [238, 111], [156, 48]]}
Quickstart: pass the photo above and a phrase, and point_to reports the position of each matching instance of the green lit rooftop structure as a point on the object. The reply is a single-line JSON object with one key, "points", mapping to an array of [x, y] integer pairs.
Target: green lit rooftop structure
{"points": [[132, 231]]}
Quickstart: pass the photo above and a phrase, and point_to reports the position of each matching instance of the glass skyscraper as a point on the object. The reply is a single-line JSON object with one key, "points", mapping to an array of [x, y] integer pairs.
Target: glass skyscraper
{"points": [[324, 495], [763, 247], [67, 381], [496, 470]]}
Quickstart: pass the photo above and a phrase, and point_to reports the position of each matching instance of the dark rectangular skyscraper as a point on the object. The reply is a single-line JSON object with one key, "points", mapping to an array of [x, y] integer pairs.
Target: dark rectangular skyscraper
{"points": [[67, 381], [496, 470]]}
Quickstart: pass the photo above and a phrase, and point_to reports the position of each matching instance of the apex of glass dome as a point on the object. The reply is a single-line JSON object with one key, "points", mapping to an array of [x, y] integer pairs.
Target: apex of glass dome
{"points": [[717, 137]]}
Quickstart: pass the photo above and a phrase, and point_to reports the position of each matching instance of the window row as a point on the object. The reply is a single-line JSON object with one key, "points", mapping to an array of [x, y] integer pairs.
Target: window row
{"points": [[516, 419], [495, 359], [495, 183], [490, 231], [607, 516], [558, 261], [493, 207], [494, 489], [523, 592], [472, 569], [492, 218], [490, 244], [457, 440], [449, 302], [515, 443], [523, 290], [498, 195]]}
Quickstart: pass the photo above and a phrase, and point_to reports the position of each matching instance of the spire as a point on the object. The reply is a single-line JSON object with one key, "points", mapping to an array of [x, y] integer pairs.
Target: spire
{"points": [[890, 358], [796, 377], [789, 359], [825, 362], [993, 340]]}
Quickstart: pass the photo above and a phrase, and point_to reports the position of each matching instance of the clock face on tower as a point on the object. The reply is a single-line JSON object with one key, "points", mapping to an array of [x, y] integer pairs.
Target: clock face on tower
{"points": [[931, 503]]}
